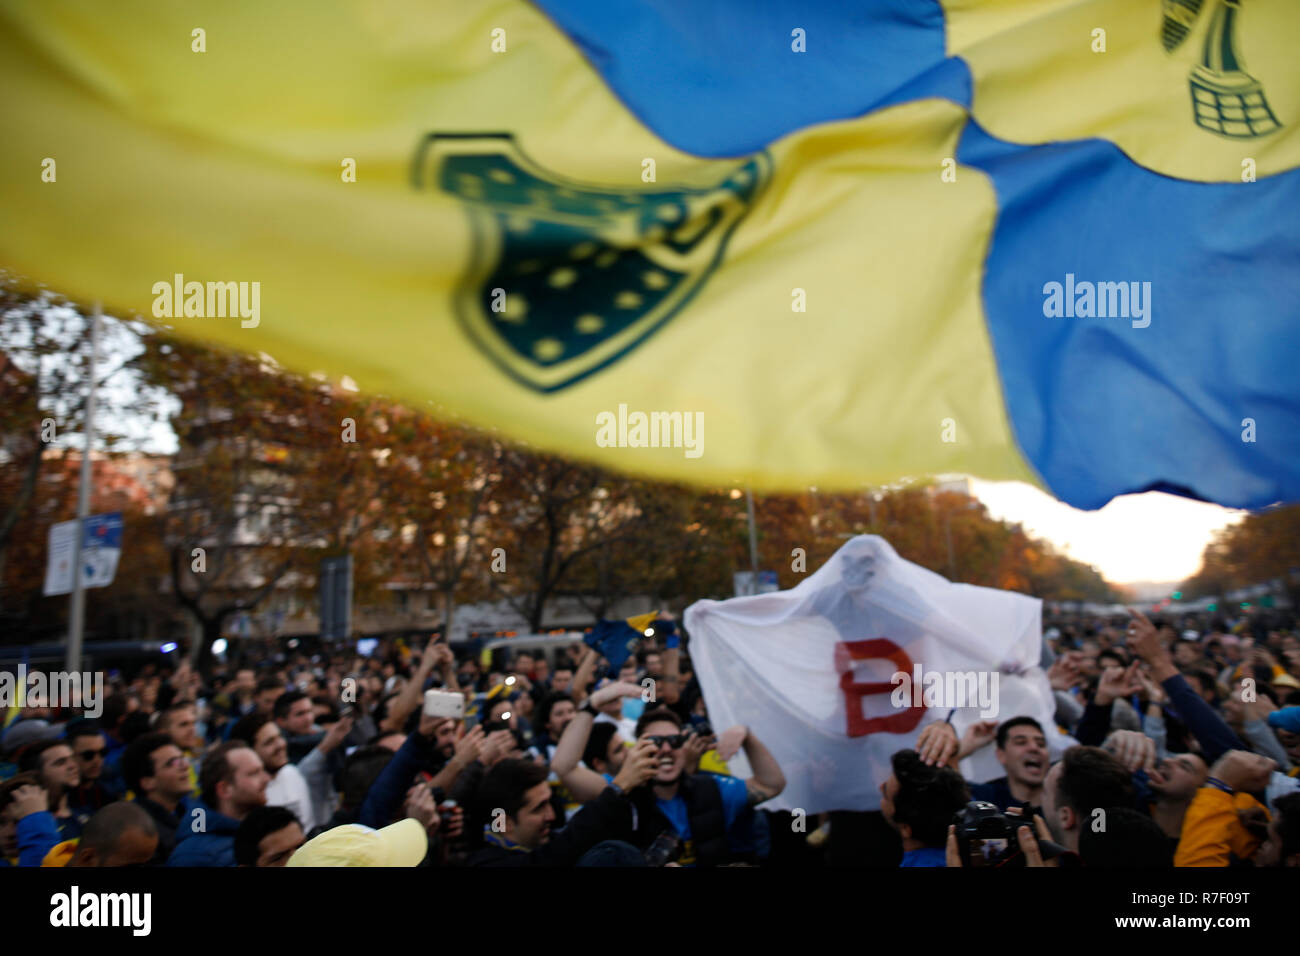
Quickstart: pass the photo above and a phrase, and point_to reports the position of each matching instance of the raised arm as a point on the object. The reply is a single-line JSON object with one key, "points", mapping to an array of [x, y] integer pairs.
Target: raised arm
{"points": [[1115, 682], [1212, 733], [467, 750], [582, 782], [768, 780], [315, 766], [583, 677], [409, 698], [568, 752]]}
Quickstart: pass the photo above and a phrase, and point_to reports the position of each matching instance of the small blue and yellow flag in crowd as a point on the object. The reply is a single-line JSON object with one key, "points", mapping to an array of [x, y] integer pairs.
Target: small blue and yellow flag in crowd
{"points": [[615, 640], [790, 243]]}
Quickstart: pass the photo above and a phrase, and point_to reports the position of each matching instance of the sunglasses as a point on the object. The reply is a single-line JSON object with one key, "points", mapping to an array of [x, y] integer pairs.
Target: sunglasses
{"points": [[672, 740], [92, 754]]}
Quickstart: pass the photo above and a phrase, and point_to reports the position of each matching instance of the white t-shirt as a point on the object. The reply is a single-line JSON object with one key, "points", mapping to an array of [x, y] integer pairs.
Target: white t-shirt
{"points": [[288, 789]]}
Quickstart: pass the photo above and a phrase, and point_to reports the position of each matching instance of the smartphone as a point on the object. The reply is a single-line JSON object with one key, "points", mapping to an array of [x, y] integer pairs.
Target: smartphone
{"points": [[444, 703], [663, 850]]}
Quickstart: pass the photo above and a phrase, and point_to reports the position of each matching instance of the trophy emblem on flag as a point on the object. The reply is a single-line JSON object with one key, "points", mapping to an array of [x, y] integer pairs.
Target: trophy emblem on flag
{"points": [[1226, 100]]}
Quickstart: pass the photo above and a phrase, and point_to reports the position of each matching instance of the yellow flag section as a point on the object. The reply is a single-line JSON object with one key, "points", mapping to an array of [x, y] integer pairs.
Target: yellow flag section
{"points": [[1151, 79], [516, 248]]}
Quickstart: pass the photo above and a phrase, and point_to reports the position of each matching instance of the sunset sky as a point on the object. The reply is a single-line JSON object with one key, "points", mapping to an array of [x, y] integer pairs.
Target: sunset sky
{"points": [[1147, 537]]}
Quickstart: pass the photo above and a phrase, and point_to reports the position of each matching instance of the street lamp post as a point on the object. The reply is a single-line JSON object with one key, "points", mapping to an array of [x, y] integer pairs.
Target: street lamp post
{"points": [[77, 615], [753, 538], [947, 532]]}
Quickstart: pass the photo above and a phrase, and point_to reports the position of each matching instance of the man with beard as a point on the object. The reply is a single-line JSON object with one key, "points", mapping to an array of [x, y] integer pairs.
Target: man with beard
{"points": [[454, 751], [1022, 751], [1173, 784], [287, 787], [701, 810], [55, 766], [233, 782]]}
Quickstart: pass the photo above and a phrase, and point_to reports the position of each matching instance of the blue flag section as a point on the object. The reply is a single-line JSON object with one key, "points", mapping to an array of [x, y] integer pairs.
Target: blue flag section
{"points": [[1202, 401], [1141, 286], [718, 79], [614, 640]]}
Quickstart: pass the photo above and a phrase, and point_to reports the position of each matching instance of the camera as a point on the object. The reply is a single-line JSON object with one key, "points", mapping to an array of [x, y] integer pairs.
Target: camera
{"points": [[663, 850], [986, 837]]}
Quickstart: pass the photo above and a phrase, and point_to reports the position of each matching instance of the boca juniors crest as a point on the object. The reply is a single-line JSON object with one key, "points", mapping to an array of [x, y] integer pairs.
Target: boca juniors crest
{"points": [[565, 277], [1226, 100]]}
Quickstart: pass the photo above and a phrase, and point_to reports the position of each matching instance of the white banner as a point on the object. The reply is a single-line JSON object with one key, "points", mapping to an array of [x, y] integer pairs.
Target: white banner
{"points": [[811, 671]]}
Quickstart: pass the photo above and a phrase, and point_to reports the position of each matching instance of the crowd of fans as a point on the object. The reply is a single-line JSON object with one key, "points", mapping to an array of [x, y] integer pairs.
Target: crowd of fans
{"points": [[1188, 755]]}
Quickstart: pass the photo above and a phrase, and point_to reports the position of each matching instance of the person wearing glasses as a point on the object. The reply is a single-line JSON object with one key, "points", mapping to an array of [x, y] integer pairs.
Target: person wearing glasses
{"points": [[691, 818], [158, 774], [97, 788]]}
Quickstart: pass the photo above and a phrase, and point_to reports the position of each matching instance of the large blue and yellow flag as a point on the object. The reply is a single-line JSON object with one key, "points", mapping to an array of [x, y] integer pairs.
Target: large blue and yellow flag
{"points": [[791, 243]]}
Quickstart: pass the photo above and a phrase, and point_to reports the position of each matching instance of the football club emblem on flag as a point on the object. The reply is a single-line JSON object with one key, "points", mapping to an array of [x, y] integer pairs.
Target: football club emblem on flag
{"points": [[1225, 98], [566, 278]]}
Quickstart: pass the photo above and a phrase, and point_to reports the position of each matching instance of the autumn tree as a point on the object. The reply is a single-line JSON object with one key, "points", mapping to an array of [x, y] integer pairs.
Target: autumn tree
{"points": [[554, 515], [1262, 547], [275, 471], [44, 362], [446, 494]]}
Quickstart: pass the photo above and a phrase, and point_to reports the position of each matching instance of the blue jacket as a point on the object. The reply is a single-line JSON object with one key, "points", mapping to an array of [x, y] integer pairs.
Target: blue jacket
{"points": [[384, 799], [215, 846], [38, 834]]}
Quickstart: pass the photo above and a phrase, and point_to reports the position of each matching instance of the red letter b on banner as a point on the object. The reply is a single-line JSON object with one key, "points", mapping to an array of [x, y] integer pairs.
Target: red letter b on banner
{"points": [[877, 649]]}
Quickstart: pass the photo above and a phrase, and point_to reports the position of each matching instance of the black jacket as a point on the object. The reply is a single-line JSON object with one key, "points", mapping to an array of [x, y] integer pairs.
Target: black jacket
{"points": [[708, 845], [167, 822], [608, 817], [998, 793]]}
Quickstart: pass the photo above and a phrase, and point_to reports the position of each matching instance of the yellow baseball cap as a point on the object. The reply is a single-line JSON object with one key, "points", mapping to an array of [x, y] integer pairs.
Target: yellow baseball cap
{"points": [[400, 844]]}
